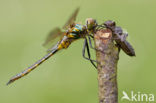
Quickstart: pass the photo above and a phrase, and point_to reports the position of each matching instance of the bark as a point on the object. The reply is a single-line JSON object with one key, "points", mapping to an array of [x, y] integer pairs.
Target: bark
{"points": [[107, 55]]}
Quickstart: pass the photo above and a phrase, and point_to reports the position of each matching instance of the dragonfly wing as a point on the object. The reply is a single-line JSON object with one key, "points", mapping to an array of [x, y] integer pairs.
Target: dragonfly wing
{"points": [[71, 20], [53, 36]]}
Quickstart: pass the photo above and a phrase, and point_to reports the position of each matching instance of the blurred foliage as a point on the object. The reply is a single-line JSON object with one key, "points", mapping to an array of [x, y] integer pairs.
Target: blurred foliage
{"points": [[67, 77]]}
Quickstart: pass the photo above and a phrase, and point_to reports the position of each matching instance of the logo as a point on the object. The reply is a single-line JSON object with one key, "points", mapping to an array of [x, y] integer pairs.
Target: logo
{"points": [[137, 96]]}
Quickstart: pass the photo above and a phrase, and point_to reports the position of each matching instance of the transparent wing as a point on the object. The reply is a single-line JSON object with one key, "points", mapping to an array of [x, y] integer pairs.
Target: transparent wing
{"points": [[54, 36], [72, 19]]}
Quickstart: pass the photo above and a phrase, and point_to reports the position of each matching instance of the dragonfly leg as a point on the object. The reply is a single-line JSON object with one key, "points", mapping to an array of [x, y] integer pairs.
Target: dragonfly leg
{"points": [[85, 46], [91, 46], [91, 36], [100, 27], [90, 43]]}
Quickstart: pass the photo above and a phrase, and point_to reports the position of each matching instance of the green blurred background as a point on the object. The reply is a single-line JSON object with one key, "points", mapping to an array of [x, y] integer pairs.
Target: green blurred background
{"points": [[67, 77]]}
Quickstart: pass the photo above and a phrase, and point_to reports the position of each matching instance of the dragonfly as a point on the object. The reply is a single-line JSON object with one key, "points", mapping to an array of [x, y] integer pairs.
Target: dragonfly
{"points": [[72, 32]]}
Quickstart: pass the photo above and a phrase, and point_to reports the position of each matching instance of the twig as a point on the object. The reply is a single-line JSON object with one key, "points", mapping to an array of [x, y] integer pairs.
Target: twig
{"points": [[107, 55]]}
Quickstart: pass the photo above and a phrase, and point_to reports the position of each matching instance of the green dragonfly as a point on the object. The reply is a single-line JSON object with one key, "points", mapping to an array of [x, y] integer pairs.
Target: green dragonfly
{"points": [[74, 31]]}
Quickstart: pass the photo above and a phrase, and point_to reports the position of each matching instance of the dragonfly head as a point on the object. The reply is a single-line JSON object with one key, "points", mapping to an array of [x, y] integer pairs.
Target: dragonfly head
{"points": [[91, 23], [110, 24]]}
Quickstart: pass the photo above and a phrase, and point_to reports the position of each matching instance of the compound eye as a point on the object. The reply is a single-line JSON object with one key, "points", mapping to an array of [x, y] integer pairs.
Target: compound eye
{"points": [[95, 23]]}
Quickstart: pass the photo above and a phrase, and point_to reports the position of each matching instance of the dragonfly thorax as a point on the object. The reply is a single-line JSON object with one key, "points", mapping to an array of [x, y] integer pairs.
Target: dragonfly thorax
{"points": [[77, 31], [78, 28]]}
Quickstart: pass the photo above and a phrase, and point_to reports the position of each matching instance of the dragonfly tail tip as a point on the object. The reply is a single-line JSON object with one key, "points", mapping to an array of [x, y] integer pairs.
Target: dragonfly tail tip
{"points": [[10, 81]]}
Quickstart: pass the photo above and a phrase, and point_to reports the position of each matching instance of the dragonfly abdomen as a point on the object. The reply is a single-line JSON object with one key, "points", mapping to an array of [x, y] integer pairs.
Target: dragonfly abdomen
{"points": [[29, 69]]}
